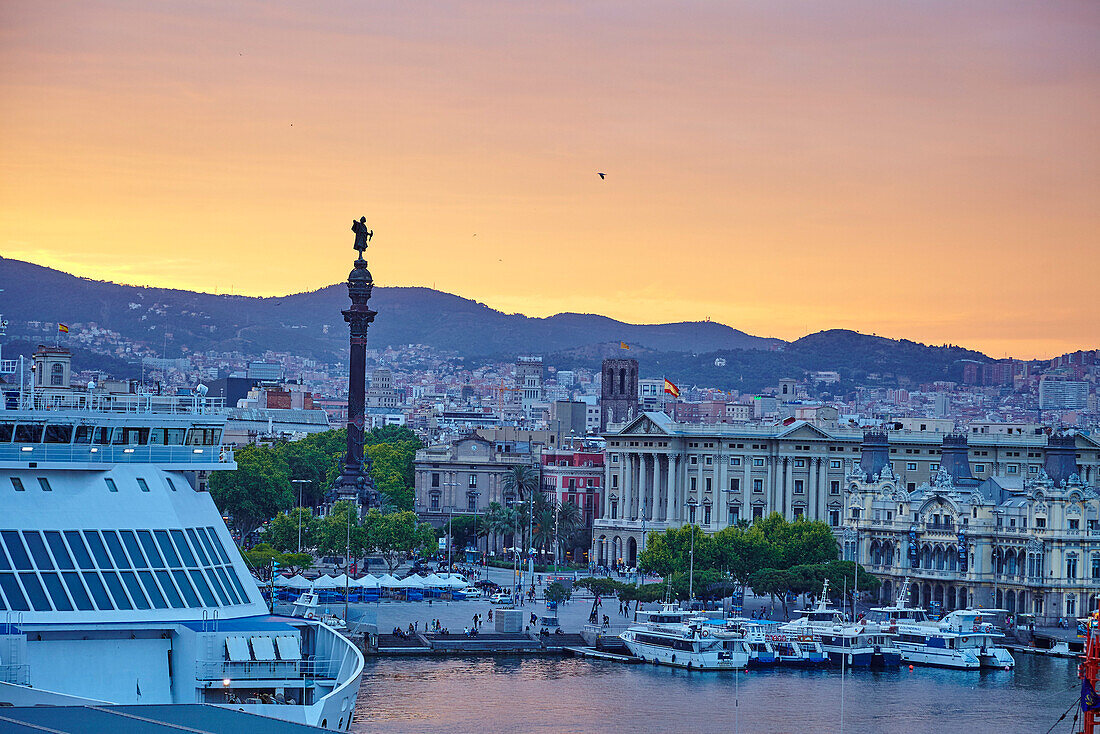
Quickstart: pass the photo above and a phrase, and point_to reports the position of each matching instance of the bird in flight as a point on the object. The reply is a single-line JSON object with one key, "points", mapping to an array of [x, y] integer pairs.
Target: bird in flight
{"points": [[602, 175]]}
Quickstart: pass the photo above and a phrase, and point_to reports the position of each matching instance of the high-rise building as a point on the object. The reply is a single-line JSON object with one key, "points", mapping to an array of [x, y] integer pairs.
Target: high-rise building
{"points": [[529, 380], [1063, 395]]}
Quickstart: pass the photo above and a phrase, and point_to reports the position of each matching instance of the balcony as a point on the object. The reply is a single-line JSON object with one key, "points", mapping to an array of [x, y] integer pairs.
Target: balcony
{"points": [[316, 670], [197, 457]]}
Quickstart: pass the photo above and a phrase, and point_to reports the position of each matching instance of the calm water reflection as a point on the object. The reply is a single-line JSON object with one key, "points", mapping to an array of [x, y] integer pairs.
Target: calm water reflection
{"points": [[569, 695]]}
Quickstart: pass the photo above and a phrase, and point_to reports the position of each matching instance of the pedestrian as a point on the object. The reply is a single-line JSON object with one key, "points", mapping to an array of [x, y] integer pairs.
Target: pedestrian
{"points": [[490, 614]]}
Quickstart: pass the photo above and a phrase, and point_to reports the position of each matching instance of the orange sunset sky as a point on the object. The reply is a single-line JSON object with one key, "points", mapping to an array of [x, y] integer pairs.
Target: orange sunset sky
{"points": [[927, 170]]}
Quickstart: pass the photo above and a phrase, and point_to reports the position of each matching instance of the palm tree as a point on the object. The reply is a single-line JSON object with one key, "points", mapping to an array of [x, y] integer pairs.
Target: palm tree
{"points": [[543, 534], [522, 481], [569, 521]]}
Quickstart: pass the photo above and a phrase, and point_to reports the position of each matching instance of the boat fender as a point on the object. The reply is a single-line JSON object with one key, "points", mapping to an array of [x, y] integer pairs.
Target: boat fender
{"points": [[965, 639]]}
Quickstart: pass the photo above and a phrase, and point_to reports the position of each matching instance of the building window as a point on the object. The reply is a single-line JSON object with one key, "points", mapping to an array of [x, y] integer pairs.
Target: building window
{"points": [[691, 514], [735, 484], [834, 517], [435, 479], [757, 485], [855, 513], [57, 375], [1013, 468], [834, 487], [834, 464], [708, 460], [757, 513], [1040, 522], [471, 503], [910, 466], [799, 463], [433, 501], [735, 461], [1096, 565], [798, 512], [614, 481], [693, 460], [706, 514], [614, 509], [1074, 524], [758, 462], [614, 458], [799, 486], [933, 467], [473, 481], [707, 484], [1071, 566], [979, 468], [735, 515], [694, 484]]}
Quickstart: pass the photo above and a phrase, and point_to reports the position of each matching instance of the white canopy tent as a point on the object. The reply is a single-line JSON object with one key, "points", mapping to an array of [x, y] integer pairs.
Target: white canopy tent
{"points": [[388, 582], [326, 582], [411, 582], [298, 582], [367, 582]]}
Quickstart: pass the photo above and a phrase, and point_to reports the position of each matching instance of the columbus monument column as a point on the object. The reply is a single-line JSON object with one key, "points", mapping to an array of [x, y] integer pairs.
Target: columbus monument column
{"points": [[354, 482]]}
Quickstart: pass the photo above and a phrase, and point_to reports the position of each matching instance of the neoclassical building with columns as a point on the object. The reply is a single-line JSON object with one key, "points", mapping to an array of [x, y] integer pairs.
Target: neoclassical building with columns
{"points": [[662, 474]]}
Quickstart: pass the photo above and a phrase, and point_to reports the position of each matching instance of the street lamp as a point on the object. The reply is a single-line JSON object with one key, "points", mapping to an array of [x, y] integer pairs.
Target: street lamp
{"points": [[300, 482], [450, 521]]}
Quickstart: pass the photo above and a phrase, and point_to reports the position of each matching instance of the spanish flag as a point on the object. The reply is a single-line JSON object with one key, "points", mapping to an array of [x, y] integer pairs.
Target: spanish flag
{"points": [[671, 389], [63, 328], [624, 345]]}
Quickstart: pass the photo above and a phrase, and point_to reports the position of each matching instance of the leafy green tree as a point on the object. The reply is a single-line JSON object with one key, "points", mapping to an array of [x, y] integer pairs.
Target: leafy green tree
{"points": [[308, 462], [282, 532], [463, 529], [340, 530], [397, 535], [296, 562], [600, 585], [257, 491], [670, 552], [774, 582], [556, 592]]}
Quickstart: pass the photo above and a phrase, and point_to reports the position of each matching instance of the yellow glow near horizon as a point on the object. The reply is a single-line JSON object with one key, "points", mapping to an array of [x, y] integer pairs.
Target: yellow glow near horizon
{"points": [[928, 172]]}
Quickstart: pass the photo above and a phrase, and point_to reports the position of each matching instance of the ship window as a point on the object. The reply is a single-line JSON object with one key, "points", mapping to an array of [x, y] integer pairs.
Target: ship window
{"points": [[116, 549], [99, 593], [142, 485], [130, 436], [135, 590], [16, 601], [219, 592], [77, 545], [204, 437], [5, 565], [237, 583], [29, 432], [204, 589], [59, 434], [228, 586], [217, 544], [17, 483], [185, 587], [170, 589], [206, 542], [171, 484], [181, 545], [44, 484], [57, 545], [84, 434], [57, 592], [38, 550], [166, 546], [35, 592], [98, 550], [6, 432], [152, 590], [102, 435], [150, 547], [130, 540], [199, 551], [16, 550], [111, 486], [76, 591]]}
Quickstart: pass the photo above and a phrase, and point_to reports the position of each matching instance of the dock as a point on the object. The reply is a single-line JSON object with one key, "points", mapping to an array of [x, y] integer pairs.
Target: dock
{"points": [[485, 643]]}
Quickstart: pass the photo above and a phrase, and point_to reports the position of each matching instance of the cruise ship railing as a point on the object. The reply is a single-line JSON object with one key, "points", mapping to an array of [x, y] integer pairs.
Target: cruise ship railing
{"points": [[325, 669], [126, 403], [111, 454]]}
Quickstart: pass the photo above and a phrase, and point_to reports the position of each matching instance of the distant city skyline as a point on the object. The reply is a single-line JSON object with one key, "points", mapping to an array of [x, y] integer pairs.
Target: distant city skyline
{"points": [[928, 172]]}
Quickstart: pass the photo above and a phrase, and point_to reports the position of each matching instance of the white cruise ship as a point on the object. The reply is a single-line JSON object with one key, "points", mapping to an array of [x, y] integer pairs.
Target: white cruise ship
{"points": [[119, 582]]}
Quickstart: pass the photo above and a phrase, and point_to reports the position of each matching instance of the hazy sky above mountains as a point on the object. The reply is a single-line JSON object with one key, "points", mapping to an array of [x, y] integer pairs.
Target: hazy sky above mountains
{"points": [[925, 170]]}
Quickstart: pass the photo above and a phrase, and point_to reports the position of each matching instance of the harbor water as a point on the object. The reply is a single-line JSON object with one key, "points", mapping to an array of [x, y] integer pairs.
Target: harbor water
{"points": [[549, 694]]}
